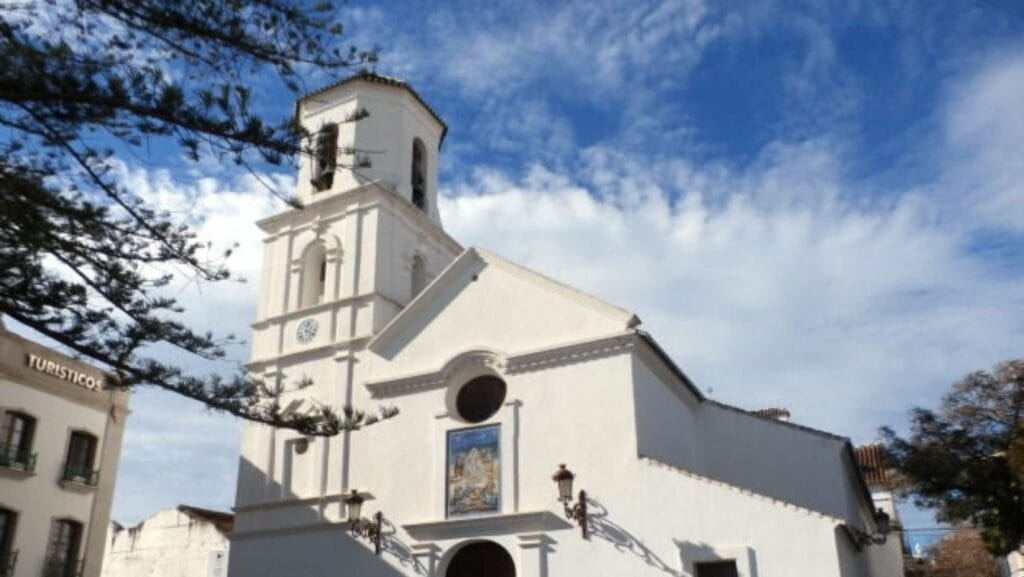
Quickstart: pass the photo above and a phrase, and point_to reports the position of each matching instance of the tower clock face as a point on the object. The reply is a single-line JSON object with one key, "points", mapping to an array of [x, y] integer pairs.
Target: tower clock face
{"points": [[306, 330]]}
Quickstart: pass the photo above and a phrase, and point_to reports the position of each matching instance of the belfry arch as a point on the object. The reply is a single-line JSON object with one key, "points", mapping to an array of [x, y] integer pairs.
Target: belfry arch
{"points": [[480, 559]]}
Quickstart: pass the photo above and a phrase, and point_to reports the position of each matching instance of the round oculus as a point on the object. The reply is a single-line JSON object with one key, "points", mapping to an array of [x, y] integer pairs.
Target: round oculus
{"points": [[306, 330], [479, 399]]}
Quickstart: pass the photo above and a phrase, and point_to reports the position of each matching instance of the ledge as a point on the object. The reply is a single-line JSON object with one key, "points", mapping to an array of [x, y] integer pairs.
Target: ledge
{"points": [[16, 472], [76, 485], [531, 522]]}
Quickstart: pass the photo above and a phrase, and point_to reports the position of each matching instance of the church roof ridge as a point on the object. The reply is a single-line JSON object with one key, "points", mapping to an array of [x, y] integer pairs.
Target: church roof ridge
{"points": [[473, 253], [632, 321], [375, 78]]}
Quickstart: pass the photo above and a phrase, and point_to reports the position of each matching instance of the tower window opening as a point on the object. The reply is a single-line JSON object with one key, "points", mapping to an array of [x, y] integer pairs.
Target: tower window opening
{"points": [[419, 175], [314, 276], [325, 157]]}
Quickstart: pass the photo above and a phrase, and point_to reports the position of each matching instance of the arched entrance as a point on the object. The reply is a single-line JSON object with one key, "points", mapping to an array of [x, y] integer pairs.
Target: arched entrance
{"points": [[481, 559]]}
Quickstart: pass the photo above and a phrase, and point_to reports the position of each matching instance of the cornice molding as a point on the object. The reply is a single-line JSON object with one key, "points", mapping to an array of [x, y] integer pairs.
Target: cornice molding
{"points": [[334, 348], [529, 522], [529, 361], [321, 307], [363, 198], [571, 353]]}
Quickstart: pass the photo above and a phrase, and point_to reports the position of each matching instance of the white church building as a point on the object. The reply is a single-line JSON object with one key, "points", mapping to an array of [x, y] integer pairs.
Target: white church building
{"points": [[510, 386]]}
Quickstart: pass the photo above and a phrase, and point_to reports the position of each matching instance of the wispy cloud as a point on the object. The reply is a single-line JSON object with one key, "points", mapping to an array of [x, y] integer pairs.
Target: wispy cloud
{"points": [[782, 282], [984, 132]]}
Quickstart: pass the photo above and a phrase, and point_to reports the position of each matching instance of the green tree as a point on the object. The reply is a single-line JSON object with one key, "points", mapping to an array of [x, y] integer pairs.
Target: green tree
{"points": [[83, 259], [965, 459]]}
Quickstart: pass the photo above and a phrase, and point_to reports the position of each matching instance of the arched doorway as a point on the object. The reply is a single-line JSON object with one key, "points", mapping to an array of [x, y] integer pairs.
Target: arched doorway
{"points": [[482, 559]]}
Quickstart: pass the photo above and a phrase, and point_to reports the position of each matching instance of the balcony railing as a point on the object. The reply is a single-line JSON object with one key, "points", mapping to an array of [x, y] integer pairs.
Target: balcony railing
{"points": [[7, 563], [81, 475], [11, 457], [63, 568]]}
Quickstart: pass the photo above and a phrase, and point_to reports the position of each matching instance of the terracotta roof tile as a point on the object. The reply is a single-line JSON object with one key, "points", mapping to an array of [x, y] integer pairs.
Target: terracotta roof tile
{"points": [[224, 521], [871, 459], [776, 413]]}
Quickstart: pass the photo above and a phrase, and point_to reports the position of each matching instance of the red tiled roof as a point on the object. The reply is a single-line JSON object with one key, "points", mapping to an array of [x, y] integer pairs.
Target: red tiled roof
{"points": [[773, 413], [871, 459]]}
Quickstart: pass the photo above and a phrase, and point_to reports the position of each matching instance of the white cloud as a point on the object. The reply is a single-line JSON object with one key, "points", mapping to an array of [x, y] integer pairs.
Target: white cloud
{"points": [[598, 47], [772, 285], [984, 136]]}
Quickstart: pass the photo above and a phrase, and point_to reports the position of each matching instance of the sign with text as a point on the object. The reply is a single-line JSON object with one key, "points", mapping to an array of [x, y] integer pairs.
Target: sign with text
{"points": [[64, 373]]}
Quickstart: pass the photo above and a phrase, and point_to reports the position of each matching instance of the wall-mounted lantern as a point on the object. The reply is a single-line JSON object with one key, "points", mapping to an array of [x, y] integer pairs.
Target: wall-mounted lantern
{"points": [[366, 529], [574, 511], [862, 538]]}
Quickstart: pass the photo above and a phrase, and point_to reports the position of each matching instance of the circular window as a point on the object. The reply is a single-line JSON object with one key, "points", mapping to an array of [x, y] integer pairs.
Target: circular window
{"points": [[480, 398]]}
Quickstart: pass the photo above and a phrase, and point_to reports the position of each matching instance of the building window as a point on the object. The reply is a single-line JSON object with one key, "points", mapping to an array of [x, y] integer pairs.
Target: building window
{"points": [[8, 556], [480, 398], [419, 275], [419, 175], [81, 456], [16, 441], [314, 275], [717, 569], [62, 550], [325, 157]]}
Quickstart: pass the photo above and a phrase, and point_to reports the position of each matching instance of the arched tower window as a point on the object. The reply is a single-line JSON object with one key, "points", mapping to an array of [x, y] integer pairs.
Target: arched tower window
{"points": [[314, 275], [325, 157], [419, 274], [419, 174]]}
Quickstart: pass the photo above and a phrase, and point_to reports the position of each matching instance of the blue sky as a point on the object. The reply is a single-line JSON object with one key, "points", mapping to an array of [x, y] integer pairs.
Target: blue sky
{"points": [[810, 205]]}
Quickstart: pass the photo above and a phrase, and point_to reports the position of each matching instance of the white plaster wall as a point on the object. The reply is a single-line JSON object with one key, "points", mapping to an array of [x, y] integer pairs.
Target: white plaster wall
{"points": [[650, 519], [1012, 565], [357, 303], [489, 306], [167, 544], [666, 420], [775, 459]]}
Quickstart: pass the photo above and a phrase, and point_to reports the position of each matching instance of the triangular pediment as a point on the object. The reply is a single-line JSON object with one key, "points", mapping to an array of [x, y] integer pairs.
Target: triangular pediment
{"points": [[484, 301]]}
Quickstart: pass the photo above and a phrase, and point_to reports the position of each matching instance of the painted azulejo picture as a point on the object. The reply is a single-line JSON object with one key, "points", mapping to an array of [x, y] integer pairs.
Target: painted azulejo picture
{"points": [[474, 484]]}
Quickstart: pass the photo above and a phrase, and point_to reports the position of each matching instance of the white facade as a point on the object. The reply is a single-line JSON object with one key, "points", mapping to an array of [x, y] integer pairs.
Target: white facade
{"points": [[60, 441], [674, 480], [178, 541], [1012, 565]]}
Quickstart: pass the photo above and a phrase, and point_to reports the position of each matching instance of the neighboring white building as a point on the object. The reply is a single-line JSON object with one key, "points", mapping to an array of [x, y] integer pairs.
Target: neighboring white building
{"points": [[500, 374], [871, 459], [60, 441], [178, 541], [1012, 565]]}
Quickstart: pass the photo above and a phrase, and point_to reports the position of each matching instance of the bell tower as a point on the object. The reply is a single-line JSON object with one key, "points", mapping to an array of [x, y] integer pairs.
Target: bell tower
{"points": [[366, 241], [371, 128]]}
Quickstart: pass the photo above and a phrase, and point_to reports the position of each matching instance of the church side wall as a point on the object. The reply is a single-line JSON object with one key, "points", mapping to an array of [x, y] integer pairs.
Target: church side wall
{"points": [[666, 424], [777, 460]]}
